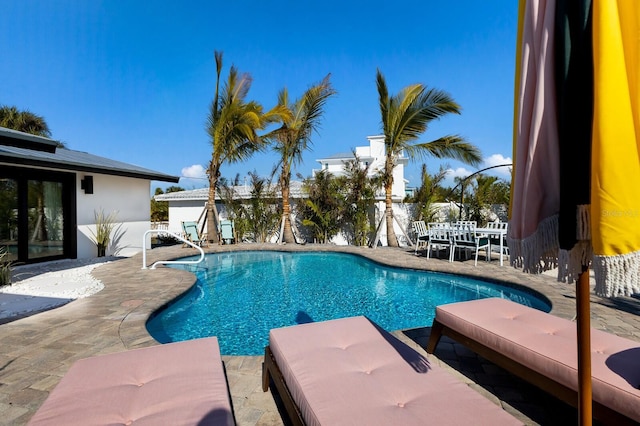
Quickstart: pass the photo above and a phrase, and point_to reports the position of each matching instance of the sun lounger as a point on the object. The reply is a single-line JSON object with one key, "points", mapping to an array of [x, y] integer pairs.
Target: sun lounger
{"points": [[227, 231], [193, 235], [174, 384], [541, 348], [350, 371]]}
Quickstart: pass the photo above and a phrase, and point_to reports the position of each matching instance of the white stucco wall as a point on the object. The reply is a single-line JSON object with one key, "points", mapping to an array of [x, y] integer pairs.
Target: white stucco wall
{"points": [[130, 200], [190, 211], [184, 211], [402, 212]]}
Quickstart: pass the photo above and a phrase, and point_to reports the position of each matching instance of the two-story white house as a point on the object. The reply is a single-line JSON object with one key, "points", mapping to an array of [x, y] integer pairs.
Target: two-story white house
{"points": [[373, 156]]}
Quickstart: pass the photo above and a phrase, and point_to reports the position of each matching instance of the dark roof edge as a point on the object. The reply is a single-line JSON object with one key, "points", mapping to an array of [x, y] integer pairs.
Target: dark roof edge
{"points": [[17, 139], [81, 168]]}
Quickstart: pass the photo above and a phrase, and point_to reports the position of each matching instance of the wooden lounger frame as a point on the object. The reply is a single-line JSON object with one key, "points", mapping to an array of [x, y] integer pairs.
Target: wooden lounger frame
{"points": [[270, 370], [547, 384]]}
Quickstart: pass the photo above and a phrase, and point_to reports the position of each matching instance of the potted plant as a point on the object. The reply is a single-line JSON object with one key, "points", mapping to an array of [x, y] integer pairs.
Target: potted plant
{"points": [[5, 267], [104, 227]]}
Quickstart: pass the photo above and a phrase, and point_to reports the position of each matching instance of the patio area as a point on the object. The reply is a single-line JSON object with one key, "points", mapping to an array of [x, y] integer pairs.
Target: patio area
{"points": [[39, 349]]}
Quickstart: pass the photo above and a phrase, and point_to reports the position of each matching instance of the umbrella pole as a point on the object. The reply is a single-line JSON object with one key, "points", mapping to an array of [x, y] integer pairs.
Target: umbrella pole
{"points": [[583, 312]]}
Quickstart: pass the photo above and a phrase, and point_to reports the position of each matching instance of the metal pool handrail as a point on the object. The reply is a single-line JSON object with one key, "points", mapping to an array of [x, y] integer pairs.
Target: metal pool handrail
{"points": [[168, 262]]}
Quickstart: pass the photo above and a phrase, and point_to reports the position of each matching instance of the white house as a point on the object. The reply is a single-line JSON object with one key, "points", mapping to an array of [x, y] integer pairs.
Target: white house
{"points": [[189, 206], [49, 197], [373, 156]]}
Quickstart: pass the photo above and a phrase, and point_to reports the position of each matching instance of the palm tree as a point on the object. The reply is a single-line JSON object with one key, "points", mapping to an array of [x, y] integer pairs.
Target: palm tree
{"points": [[23, 121], [293, 137], [488, 190], [427, 194], [405, 117], [232, 126]]}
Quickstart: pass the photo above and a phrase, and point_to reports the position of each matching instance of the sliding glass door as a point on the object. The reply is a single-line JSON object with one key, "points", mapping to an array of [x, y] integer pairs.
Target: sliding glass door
{"points": [[46, 219], [37, 214]]}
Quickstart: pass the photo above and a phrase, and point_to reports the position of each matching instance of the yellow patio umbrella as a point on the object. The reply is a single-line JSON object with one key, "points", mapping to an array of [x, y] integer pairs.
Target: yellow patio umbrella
{"points": [[575, 200]]}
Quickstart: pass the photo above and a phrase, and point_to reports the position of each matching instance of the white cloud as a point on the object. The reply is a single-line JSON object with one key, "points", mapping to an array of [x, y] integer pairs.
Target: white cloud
{"points": [[194, 172], [491, 161], [193, 177], [459, 172], [498, 160], [454, 173]]}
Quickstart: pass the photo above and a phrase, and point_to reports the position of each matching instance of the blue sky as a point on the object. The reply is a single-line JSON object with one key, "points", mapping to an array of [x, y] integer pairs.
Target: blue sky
{"points": [[133, 80]]}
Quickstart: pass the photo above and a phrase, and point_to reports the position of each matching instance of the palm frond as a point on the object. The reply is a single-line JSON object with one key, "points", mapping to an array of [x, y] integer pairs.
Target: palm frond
{"points": [[293, 137], [451, 146], [24, 121], [216, 96], [383, 100], [441, 103]]}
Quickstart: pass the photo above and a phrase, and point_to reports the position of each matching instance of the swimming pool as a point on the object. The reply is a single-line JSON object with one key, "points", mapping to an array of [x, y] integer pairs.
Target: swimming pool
{"points": [[240, 296]]}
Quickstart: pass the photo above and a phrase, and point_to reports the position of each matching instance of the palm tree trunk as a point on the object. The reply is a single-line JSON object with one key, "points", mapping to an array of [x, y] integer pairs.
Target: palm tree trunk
{"points": [[212, 217], [392, 240], [287, 232]]}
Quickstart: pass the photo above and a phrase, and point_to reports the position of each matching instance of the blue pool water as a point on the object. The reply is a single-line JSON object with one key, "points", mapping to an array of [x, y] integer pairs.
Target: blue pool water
{"points": [[240, 296]]}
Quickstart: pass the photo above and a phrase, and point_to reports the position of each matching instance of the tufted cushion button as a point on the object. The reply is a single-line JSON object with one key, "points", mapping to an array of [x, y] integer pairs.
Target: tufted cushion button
{"points": [[401, 404]]}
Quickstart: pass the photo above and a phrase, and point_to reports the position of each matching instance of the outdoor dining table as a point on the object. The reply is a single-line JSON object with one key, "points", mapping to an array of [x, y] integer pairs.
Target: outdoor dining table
{"points": [[497, 233]]}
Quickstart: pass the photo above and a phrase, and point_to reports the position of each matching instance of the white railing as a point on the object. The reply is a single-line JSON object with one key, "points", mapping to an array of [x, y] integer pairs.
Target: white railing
{"points": [[168, 262]]}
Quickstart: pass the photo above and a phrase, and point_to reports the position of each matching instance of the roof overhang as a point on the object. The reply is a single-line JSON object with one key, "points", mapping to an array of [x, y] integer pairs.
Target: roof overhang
{"points": [[20, 160], [17, 139], [26, 150]]}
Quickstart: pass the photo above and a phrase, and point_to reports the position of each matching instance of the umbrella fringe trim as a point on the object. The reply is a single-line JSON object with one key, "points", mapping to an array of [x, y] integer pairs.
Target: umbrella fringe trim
{"points": [[617, 275], [537, 252], [571, 262]]}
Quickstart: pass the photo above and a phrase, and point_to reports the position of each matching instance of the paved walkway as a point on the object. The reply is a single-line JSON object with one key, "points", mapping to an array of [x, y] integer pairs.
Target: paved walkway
{"points": [[36, 351]]}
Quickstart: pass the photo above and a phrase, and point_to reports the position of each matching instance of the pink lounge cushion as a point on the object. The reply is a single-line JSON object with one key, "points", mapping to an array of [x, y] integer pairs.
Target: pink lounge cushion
{"points": [[174, 384], [547, 344], [349, 371]]}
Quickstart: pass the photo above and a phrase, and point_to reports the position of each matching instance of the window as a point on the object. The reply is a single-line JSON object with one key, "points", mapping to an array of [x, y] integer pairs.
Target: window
{"points": [[45, 219], [37, 214]]}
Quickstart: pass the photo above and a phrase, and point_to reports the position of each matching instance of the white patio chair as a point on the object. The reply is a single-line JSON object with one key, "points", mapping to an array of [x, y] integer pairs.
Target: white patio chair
{"points": [[439, 236], [495, 240], [467, 222], [464, 237], [422, 235]]}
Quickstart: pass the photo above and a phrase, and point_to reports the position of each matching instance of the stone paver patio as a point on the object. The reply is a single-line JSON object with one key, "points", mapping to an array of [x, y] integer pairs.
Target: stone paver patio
{"points": [[36, 351]]}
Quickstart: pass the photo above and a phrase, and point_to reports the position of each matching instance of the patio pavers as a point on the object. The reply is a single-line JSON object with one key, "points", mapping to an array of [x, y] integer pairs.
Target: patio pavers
{"points": [[38, 350]]}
